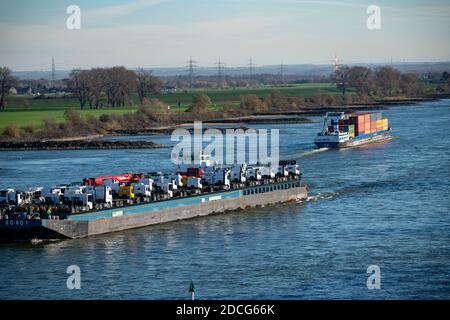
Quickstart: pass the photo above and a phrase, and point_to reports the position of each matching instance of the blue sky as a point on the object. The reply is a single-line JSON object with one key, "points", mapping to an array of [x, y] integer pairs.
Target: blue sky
{"points": [[152, 33]]}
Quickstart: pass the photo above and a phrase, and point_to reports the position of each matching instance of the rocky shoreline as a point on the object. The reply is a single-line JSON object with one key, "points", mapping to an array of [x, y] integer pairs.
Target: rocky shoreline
{"points": [[76, 145]]}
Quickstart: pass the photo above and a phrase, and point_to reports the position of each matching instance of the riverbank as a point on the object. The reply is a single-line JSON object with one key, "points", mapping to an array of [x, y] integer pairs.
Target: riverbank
{"points": [[81, 144], [96, 141]]}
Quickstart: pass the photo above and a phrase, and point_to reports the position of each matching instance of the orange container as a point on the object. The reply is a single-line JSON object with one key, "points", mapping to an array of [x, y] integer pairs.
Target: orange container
{"points": [[373, 126], [361, 119]]}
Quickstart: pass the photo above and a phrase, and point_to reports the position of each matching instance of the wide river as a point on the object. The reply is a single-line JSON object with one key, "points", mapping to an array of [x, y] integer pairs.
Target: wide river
{"points": [[385, 204]]}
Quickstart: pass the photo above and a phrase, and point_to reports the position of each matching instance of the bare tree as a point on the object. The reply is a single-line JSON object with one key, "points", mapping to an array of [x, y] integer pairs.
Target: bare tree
{"points": [[146, 84], [387, 80], [7, 81], [96, 84], [341, 78], [361, 78], [410, 84], [119, 85], [113, 84], [79, 85]]}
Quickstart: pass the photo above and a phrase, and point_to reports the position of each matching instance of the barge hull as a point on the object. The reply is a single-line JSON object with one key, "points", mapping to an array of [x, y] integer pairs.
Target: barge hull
{"points": [[123, 218], [366, 140], [372, 138]]}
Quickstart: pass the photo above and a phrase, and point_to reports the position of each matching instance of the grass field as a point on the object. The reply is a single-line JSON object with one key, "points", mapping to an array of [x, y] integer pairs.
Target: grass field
{"points": [[25, 111]]}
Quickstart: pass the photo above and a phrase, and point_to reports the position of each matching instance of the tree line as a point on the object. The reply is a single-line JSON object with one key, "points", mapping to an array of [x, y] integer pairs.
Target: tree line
{"points": [[381, 82], [7, 81], [111, 87]]}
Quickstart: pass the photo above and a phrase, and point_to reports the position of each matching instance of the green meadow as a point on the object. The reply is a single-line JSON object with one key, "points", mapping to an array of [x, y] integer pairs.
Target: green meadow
{"points": [[25, 111]]}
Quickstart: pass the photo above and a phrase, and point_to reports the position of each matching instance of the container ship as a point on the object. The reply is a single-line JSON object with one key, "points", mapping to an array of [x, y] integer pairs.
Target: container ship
{"points": [[106, 204], [341, 130]]}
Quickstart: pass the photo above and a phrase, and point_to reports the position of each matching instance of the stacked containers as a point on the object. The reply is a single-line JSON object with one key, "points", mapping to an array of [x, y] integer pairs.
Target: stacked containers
{"points": [[359, 124], [385, 125], [374, 117], [380, 125], [367, 122], [349, 128]]}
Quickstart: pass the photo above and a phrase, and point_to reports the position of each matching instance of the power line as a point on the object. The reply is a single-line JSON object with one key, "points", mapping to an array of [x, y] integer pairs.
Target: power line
{"points": [[251, 66], [191, 67], [220, 73], [281, 72], [53, 72], [336, 63]]}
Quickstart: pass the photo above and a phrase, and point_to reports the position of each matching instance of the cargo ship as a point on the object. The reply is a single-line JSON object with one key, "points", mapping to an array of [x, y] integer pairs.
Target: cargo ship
{"points": [[108, 204], [343, 130]]}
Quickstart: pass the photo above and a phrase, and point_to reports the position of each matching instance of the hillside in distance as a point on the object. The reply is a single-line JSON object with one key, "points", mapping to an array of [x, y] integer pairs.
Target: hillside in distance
{"points": [[290, 69]]}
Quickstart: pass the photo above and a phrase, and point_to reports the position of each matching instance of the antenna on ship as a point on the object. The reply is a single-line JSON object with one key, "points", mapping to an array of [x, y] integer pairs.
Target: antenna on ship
{"points": [[192, 290]]}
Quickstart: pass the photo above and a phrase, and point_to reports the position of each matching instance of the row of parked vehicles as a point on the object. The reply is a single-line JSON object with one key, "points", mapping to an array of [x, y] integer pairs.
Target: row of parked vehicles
{"points": [[106, 191]]}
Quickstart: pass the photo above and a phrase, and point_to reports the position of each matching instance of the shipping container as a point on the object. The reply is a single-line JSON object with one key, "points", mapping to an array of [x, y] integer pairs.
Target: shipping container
{"points": [[361, 119], [373, 126], [375, 116]]}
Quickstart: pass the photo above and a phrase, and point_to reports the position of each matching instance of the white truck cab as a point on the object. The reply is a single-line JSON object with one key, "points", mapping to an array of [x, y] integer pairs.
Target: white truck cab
{"points": [[254, 173], [11, 196], [194, 182], [142, 190]]}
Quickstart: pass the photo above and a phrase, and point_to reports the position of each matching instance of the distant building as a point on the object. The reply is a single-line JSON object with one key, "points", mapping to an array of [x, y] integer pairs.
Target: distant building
{"points": [[25, 90], [168, 89]]}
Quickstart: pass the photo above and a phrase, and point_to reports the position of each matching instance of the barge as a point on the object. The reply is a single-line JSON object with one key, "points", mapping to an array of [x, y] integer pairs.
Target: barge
{"points": [[187, 202]]}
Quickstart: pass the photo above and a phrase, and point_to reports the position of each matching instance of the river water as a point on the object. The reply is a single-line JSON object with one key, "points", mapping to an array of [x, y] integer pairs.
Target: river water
{"points": [[385, 204]]}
